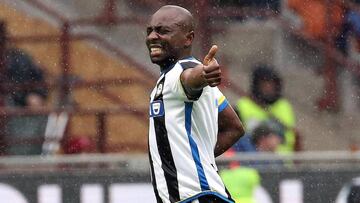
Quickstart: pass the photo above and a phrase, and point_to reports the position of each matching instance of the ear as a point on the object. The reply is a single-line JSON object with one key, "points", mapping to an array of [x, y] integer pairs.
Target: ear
{"points": [[189, 38]]}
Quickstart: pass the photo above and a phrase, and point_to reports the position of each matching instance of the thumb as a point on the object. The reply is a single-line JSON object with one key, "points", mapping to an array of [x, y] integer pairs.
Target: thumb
{"points": [[210, 56]]}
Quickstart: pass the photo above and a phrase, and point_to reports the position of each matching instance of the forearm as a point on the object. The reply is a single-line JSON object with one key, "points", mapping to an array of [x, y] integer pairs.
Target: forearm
{"points": [[195, 79], [230, 130], [192, 78], [223, 144]]}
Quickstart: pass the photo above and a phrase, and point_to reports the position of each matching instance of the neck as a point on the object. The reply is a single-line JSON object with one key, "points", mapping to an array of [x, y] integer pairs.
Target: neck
{"points": [[259, 102], [165, 65]]}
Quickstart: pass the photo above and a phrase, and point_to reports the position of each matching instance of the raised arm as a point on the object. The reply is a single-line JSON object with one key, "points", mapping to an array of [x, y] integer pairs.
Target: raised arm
{"points": [[230, 130], [208, 73]]}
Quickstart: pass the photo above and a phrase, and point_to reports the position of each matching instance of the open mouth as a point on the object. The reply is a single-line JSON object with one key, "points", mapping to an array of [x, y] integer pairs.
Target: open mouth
{"points": [[155, 50]]}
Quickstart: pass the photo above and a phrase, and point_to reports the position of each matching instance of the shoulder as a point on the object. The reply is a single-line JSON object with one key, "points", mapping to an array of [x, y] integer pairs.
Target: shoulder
{"points": [[188, 63], [15, 56], [180, 66], [283, 102], [245, 100], [283, 105], [16, 52]]}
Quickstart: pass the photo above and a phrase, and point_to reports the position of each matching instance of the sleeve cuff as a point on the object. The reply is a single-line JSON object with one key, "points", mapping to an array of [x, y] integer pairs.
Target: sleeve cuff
{"points": [[223, 105]]}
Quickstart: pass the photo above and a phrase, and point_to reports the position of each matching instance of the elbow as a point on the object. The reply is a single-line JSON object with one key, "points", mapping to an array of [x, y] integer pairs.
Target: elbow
{"points": [[236, 132], [239, 129]]}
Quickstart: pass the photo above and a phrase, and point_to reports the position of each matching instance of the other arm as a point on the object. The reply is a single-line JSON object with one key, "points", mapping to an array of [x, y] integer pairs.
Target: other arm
{"points": [[230, 130]]}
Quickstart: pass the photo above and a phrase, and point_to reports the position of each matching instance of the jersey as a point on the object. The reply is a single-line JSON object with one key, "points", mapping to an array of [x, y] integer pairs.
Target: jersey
{"points": [[182, 138]]}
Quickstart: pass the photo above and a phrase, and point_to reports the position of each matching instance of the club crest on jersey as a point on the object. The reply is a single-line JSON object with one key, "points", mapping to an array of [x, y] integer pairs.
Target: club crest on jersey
{"points": [[156, 108]]}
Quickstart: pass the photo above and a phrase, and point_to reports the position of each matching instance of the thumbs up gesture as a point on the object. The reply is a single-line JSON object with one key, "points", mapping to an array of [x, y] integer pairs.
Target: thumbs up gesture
{"points": [[211, 69]]}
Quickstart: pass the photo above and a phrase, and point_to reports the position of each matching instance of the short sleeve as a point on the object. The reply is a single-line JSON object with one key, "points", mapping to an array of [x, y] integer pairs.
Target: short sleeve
{"points": [[177, 87], [173, 83], [220, 100], [180, 91]]}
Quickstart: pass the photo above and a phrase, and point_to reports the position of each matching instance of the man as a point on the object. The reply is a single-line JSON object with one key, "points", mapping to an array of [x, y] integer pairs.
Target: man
{"points": [[242, 179], [19, 68], [265, 138], [266, 103], [190, 120]]}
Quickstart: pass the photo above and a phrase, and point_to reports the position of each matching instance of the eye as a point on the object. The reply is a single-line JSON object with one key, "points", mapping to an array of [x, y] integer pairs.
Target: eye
{"points": [[163, 31], [149, 30], [158, 30]]}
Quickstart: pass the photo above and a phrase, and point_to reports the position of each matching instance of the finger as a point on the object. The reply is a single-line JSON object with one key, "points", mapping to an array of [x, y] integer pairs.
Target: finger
{"points": [[215, 81], [210, 56], [212, 75], [211, 68], [214, 84], [212, 80]]}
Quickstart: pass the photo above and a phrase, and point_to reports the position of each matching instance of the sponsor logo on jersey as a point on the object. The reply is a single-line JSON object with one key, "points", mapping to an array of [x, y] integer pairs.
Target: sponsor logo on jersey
{"points": [[156, 108]]}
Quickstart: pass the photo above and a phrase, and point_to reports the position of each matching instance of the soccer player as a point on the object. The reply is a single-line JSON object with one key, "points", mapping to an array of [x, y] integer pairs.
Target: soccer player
{"points": [[190, 120]]}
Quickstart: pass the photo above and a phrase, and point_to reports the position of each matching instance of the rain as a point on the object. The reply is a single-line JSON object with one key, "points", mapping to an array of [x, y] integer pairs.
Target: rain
{"points": [[88, 86]]}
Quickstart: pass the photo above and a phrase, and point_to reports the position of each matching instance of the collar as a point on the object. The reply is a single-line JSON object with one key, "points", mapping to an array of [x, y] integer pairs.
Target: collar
{"points": [[172, 65]]}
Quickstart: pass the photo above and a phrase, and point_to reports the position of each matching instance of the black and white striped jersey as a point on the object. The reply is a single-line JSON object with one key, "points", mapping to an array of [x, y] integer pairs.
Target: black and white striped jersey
{"points": [[182, 138]]}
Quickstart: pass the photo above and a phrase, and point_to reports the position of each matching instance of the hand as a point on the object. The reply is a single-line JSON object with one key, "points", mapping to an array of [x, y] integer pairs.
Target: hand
{"points": [[211, 69]]}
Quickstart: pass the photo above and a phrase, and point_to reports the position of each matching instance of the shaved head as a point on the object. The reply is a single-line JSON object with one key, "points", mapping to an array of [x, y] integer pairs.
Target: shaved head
{"points": [[183, 17], [170, 33]]}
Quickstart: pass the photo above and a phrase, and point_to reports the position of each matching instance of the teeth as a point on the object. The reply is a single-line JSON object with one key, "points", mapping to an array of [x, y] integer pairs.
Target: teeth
{"points": [[156, 50]]}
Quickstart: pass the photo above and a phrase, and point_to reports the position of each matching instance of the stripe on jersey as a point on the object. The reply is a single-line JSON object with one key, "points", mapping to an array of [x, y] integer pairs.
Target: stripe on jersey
{"points": [[223, 103], [153, 180], [191, 64], [188, 64], [207, 194], [167, 161], [228, 193], [194, 149], [221, 100]]}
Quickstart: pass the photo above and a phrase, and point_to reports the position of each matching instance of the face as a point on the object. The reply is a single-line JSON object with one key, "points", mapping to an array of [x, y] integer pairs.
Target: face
{"points": [[271, 142], [268, 90], [166, 38], [267, 87]]}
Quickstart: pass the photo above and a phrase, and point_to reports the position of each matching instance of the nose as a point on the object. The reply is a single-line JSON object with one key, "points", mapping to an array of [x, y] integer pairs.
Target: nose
{"points": [[152, 35]]}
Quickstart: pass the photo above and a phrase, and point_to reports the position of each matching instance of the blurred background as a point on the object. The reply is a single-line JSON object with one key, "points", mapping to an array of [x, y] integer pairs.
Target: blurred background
{"points": [[75, 85]]}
